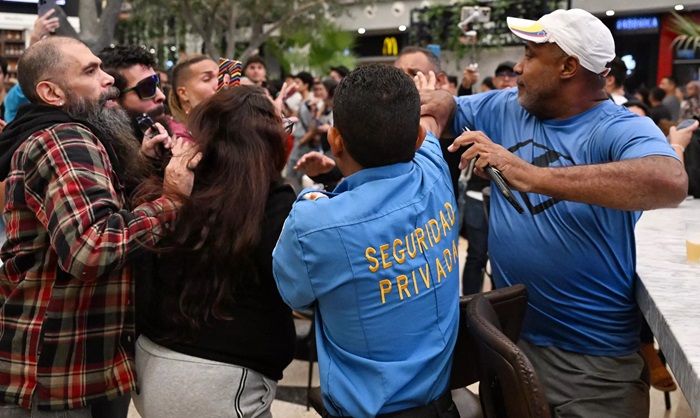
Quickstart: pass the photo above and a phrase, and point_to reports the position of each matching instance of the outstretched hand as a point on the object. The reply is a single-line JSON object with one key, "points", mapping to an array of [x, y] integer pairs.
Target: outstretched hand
{"points": [[682, 137], [424, 82], [519, 173], [287, 90], [179, 174], [470, 76], [149, 145], [314, 163], [426, 85], [44, 26]]}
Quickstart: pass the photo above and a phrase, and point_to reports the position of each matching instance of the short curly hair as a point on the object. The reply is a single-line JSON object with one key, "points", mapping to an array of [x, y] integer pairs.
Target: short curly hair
{"points": [[120, 57]]}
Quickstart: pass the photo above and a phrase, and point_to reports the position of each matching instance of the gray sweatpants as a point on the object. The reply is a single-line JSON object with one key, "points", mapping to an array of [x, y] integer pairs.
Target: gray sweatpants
{"points": [[176, 385], [583, 386]]}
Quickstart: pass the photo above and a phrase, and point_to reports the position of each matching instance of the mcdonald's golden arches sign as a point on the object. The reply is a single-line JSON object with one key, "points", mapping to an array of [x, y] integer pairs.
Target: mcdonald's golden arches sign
{"points": [[390, 46]]}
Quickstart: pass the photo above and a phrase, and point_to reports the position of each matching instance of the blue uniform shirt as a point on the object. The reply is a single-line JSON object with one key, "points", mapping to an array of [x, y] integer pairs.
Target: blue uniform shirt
{"points": [[13, 100], [577, 260], [379, 260]]}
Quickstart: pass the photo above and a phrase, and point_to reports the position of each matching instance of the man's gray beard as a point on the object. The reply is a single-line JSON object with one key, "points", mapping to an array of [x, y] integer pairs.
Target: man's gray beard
{"points": [[114, 123]]}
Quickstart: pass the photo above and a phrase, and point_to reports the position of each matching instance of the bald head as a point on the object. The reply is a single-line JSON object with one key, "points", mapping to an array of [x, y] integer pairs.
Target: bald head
{"points": [[43, 61]]}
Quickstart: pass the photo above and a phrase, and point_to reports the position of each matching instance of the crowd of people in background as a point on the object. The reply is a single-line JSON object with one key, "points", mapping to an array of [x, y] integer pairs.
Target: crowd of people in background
{"points": [[147, 256]]}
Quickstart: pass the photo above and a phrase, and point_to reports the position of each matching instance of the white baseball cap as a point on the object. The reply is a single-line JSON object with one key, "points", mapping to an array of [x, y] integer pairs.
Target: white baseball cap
{"points": [[577, 33]]}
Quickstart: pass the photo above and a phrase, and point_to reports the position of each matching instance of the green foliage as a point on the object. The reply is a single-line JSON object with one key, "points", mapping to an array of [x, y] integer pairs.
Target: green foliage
{"points": [[313, 47], [687, 30], [237, 28], [439, 24], [154, 27]]}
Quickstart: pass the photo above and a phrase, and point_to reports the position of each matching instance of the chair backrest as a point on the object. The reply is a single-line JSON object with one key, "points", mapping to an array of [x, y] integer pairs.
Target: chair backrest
{"points": [[510, 304], [508, 385]]}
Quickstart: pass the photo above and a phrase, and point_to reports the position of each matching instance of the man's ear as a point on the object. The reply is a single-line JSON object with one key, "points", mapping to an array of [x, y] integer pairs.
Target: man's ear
{"points": [[441, 81], [51, 93], [335, 140], [421, 136], [570, 66]]}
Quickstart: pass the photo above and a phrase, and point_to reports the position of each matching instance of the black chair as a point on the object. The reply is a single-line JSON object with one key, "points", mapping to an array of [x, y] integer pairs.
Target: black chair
{"points": [[510, 304], [508, 387]]}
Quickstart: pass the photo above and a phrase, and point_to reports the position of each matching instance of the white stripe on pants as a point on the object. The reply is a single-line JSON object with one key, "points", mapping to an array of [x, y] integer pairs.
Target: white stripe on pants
{"points": [[176, 385]]}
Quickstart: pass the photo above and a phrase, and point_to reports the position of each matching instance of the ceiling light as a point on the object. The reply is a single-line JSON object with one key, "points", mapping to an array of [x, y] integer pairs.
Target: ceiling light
{"points": [[610, 13], [402, 28], [361, 31], [678, 7]]}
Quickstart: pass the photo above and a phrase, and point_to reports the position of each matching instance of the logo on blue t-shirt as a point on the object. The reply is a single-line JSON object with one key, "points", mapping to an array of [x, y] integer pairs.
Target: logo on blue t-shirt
{"points": [[548, 158]]}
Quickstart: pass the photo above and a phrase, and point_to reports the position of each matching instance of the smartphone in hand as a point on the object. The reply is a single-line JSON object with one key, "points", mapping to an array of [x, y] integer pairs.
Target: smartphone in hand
{"points": [[44, 6], [685, 123], [146, 124]]}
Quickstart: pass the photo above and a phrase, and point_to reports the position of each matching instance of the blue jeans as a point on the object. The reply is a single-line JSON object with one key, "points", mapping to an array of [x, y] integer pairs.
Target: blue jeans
{"points": [[477, 233]]}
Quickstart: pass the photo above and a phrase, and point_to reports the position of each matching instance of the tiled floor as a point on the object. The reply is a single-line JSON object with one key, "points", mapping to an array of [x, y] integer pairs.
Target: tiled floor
{"points": [[291, 392]]}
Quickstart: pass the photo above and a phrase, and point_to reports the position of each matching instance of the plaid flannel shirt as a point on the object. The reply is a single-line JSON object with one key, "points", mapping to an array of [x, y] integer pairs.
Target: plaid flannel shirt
{"points": [[66, 312]]}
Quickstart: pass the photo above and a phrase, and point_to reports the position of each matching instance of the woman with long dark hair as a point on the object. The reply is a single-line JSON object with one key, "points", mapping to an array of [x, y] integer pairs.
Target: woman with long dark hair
{"points": [[216, 333]]}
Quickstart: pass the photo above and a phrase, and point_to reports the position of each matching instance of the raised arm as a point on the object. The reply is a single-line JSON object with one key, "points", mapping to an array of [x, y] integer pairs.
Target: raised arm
{"points": [[70, 188], [634, 184]]}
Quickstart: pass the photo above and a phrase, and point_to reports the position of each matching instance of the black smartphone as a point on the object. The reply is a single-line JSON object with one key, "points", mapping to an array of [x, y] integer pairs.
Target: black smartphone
{"points": [[44, 6], [64, 26], [685, 123], [497, 177], [146, 124], [500, 181]]}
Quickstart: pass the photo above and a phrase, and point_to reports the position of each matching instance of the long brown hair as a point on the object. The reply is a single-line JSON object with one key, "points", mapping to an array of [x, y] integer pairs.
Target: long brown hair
{"points": [[180, 72], [241, 137]]}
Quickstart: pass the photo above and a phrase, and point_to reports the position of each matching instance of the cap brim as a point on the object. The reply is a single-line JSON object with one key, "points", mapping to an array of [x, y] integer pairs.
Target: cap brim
{"points": [[529, 30]]}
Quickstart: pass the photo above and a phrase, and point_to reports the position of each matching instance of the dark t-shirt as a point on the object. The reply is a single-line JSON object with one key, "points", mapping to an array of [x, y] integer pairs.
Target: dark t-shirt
{"points": [[658, 113], [261, 335]]}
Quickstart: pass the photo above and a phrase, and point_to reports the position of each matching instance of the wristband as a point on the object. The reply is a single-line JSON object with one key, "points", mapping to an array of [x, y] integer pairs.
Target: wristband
{"points": [[680, 146]]}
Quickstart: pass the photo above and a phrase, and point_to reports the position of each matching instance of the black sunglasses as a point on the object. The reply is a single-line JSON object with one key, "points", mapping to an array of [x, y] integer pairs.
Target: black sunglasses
{"points": [[146, 88], [288, 125]]}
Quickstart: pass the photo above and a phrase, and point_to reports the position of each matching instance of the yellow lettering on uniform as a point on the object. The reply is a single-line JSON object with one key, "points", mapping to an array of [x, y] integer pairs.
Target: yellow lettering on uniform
{"points": [[402, 284], [455, 254], [415, 283], [413, 253], [430, 237], [445, 225], [401, 252], [382, 249], [450, 213], [436, 231], [421, 240], [425, 276], [440, 269], [384, 288], [372, 260], [448, 259]]}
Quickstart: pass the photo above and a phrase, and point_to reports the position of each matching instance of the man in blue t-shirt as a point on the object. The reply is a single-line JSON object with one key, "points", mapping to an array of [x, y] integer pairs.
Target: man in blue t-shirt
{"points": [[378, 257], [584, 168]]}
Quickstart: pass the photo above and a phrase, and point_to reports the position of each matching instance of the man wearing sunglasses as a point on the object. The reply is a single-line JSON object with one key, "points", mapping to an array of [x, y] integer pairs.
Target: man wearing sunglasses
{"points": [[134, 72]]}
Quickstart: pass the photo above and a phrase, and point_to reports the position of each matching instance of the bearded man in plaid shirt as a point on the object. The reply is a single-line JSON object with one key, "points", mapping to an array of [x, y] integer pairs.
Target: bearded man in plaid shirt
{"points": [[66, 289]]}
